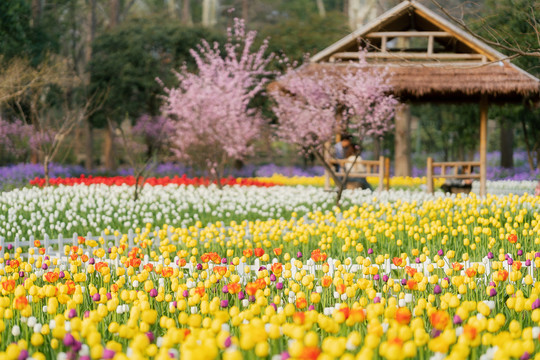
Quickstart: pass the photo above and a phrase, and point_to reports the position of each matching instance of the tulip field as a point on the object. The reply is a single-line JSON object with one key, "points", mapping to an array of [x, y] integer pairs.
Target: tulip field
{"points": [[256, 270]]}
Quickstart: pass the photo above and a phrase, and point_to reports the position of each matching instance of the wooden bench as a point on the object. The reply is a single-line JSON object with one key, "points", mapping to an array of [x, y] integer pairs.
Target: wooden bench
{"points": [[451, 170], [379, 168]]}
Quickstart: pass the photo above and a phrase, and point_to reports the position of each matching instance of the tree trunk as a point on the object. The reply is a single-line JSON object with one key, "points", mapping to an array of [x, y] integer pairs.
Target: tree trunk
{"points": [[245, 10], [320, 7], [528, 145], [109, 149], [172, 9], [46, 169], [89, 135], [88, 146], [507, 144], [403, 141], [37, 10], [186, 13], [209, 13], [114, 13], [377, 148]]}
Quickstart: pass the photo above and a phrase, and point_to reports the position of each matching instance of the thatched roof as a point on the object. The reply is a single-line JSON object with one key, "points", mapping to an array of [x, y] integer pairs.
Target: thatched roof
{"points": [[499, 81], [448, 65]]}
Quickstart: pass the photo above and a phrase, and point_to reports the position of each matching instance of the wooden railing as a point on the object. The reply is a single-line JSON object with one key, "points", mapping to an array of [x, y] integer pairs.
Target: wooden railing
{"points": [[378, 168], [451, 170]]}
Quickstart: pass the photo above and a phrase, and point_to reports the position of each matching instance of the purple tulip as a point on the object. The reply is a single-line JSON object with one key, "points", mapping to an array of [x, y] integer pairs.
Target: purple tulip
{"points": [[520, 252], [72, 313], [62, 274], [437, 289], [44, 266], [85, 357], [108, 353], [262, 268], [199, 266], [506, 256], [175, 303], [150, 336], [228, 342], [23, 355], [490, 255], [285, 355], [440, 252], [274, 306], [417, 260], [525, 356], [92, 261], [376, 277], [273, 277], [527, 262], [224, 303], [376, 300], [457, 320], [185, 293], [535, 304], [370, 251], [385, 278], [10, 247], [109, 250], [21, 274], [224, 261], [279, 285], [492, 292], [109, 296], [403, 281], [510, 261], [241, 295], [435, 333], [225, 289], [299, 255], [86, 313], [153, 293], [76, 347], [311, 307], [96, 297], [252, 298], [537, 254], [69, 340]]}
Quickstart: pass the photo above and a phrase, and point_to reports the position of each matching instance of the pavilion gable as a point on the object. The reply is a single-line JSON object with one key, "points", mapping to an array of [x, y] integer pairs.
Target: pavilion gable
{"points": [[410, 32]]}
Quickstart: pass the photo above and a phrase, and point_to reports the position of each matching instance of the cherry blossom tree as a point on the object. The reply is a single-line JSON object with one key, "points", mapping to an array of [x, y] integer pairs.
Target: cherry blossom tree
{"points": [[210, 110], [312, 108]]}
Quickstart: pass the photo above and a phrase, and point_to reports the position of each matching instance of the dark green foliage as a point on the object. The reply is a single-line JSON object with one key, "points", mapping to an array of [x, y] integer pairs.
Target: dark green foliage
{"points": [[297, 36], [127, 61]]}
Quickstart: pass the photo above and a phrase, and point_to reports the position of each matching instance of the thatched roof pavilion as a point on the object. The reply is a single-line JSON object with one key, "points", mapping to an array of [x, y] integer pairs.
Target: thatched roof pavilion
{"points": [[429, 59]]}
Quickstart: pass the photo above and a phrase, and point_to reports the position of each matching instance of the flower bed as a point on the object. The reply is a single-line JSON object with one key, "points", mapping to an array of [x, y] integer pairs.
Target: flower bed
{"points": [[163, 181], [395, 275]]}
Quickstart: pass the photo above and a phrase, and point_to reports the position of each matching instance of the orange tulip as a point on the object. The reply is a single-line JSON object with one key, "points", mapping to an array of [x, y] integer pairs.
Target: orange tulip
{"points": [[20, 302], [51, 276], [326, 281], [403, 316], [439, 319]]}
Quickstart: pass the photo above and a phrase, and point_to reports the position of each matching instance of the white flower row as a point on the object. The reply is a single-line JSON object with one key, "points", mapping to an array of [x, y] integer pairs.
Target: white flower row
{"points": [[68, 209], [505, 187]]}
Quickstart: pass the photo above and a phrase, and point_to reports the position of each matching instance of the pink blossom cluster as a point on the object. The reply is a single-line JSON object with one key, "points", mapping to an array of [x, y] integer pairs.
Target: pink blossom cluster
{"points": [[312, 109], [211, 109]]}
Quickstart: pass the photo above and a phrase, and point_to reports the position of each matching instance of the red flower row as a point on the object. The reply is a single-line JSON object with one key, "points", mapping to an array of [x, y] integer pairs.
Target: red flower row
{"points": [[130, 180]]}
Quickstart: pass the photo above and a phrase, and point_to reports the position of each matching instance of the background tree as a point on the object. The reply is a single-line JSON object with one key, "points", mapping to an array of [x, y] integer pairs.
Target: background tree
{"points": [[210, 109], [127, 60], [310, 113], [148, 141]]}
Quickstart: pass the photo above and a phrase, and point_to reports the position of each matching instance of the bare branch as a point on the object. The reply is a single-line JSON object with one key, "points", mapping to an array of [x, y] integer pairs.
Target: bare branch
{"points": [[514, 49]]}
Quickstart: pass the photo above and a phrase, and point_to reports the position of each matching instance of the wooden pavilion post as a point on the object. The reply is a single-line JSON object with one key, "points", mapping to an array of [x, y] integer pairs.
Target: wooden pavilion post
{"points": [[483, 143]]}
